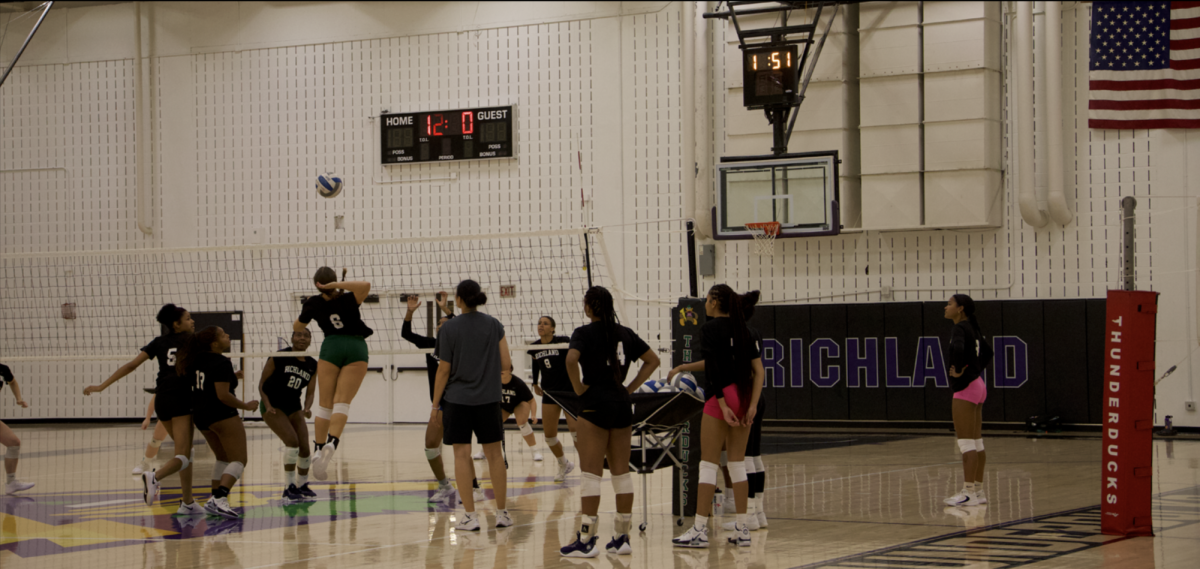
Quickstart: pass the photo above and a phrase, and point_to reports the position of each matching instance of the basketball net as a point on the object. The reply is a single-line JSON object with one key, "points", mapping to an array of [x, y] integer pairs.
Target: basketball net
{"points": [[764, 236]]}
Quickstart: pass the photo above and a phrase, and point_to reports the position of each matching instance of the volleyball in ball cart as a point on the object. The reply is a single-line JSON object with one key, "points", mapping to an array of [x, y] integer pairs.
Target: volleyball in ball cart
{"points": [[329, 185]]}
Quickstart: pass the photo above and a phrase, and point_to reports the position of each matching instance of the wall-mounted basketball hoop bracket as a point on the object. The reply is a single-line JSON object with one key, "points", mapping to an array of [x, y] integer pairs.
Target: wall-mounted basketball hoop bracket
{"points": [[771, 68]]}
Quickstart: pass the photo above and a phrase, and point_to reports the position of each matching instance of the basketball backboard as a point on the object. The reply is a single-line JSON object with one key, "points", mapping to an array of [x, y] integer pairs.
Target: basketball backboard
{"points": [[800, 191]]}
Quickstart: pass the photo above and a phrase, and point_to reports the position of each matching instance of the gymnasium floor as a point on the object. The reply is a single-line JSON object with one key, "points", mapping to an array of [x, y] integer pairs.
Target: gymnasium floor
{"points": [[834, 500]]}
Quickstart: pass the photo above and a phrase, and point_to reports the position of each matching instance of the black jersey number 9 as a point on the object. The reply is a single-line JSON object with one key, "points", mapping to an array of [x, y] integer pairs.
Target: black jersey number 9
{"points": [[336, 321], [547, 360], [199, 381], [171, 356]]}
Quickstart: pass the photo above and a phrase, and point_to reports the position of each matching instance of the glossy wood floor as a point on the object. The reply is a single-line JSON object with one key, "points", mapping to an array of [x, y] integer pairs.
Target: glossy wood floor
{"points": [[859, 500]]}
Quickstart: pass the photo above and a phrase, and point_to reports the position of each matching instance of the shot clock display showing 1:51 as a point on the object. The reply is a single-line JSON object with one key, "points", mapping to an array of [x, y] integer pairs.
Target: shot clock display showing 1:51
{"points": [[769, 76], [445, 136]]}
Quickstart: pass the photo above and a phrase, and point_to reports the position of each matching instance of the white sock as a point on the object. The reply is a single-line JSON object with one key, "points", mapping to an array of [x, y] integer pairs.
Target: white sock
{"points": [[301, 480], [562, 460], [741, 519], [587, 528], [701, 522], [12, 476], [444, 482], [290, 476]]}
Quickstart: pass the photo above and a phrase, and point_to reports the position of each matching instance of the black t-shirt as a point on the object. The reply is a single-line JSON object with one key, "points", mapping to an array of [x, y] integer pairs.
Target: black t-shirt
{"points": [[337, 317], [163, 349], [725, 362], [6, 375], [204, 375], [514, 393], [291, 376], [595, 360], [550, 366], [424, 343], [964, 355]]}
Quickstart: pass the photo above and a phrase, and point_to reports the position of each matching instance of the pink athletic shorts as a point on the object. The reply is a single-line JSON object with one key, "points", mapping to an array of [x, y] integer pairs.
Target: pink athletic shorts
{"points": [[733, 398], [976, 392]]}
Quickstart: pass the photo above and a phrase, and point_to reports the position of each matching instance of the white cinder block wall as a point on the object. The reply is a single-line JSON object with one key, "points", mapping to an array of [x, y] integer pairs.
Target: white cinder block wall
{"points": [[249, 100]]}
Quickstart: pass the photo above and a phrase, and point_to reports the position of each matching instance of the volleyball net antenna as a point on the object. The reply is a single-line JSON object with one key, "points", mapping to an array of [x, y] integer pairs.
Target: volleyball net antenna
{"points": [[100, 306]]}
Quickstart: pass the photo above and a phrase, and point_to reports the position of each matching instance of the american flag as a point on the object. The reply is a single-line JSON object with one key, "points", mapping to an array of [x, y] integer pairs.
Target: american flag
{"points": [[1144, 70]]}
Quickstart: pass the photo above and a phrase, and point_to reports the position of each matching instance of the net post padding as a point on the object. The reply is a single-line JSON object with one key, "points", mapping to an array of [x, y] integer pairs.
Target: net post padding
{"points": [[764, 234]]}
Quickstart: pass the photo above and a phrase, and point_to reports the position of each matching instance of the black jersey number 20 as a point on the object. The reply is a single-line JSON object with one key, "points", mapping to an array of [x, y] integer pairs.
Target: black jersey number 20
{"points": [[336, 321], [294, 383]]}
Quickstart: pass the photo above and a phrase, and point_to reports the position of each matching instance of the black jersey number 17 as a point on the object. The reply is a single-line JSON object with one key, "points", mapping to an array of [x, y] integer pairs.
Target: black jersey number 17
{"points": [[199, 381]]}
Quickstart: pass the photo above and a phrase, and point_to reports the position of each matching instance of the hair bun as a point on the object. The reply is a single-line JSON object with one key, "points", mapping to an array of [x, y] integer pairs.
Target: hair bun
{"points": [[168, 314]]}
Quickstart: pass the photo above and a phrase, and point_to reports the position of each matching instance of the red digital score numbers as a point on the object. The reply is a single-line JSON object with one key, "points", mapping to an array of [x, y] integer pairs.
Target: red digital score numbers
{"points": [[438, 125]]}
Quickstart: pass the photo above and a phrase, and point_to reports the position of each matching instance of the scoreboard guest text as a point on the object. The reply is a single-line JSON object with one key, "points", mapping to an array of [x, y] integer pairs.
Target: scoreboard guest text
{"points": [[445, 136]]}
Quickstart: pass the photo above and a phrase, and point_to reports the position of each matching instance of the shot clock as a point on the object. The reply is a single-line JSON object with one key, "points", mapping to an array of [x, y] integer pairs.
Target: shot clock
{"points": [[445, 136], [769, 76]]}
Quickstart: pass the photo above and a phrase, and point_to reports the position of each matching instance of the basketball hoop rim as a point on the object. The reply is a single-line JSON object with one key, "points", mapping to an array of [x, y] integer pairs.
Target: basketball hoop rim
{"points": [[769, 228]]}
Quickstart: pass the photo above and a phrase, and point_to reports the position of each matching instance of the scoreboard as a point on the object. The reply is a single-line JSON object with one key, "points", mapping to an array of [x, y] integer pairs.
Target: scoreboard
{"points": [[446, 136]]}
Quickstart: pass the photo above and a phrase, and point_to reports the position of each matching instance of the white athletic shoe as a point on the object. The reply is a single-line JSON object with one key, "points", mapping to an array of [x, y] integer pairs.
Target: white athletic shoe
{"points": [[503, 520], [537, 456], [762, 519], [468, 522], [980, 498], [751, 523], [221, 507], [477, 456], [149, 488], [963, 498], [193, 509], [478, 495], [17, 486], [694, 538], [563, 470], [140, 468], [320, 463], [740, 537], [443, 493]]}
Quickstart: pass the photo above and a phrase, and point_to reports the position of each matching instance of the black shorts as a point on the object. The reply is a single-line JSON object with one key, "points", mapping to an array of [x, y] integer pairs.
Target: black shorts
{"points": [[205, 419], [460, 421], [169, 404], [608, 414], [285, 403], [754, 444]]}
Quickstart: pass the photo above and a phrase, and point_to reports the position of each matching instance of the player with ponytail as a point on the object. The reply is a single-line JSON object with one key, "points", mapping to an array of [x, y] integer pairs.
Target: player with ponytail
{"points": [[732, 362], [172, 402], [343, 360], [969, 354], [597, 363]]}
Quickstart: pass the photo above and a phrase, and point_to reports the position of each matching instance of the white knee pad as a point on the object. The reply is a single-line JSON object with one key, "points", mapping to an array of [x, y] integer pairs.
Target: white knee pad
{"points": [[589, 485], [323, 412], [181, 458], [750, 467], [432, 453], [758, 464], [966, 445], [304, 462], [623, 483], [13, 452], [235, 470], [724, 458], [155, 443], [978, 445], [526, 429], [341, 409], [551, 441], [737, 471], [291, 455], [708, 472], [219, 469]]}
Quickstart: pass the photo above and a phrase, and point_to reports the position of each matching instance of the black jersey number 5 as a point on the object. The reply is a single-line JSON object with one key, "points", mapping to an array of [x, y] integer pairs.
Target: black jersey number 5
{"points": [[336, 321], [171, 357]]}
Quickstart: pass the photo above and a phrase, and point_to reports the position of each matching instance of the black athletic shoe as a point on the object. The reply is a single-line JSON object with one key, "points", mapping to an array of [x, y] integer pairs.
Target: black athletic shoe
{"points": [[306, 492]]}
